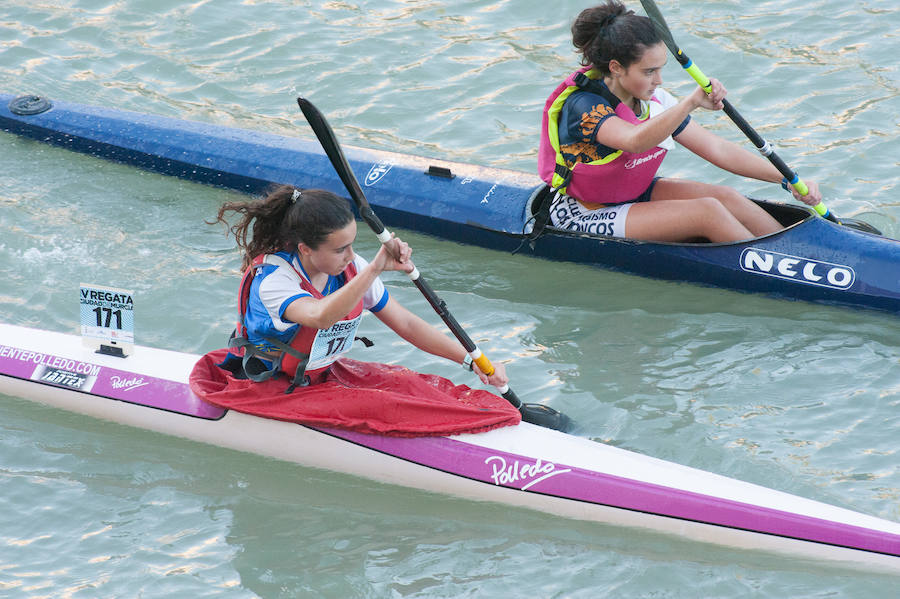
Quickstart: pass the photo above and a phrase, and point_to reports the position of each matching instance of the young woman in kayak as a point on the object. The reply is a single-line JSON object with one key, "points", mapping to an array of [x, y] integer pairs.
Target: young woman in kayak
{"points": [[607, 128], [304, 288]]}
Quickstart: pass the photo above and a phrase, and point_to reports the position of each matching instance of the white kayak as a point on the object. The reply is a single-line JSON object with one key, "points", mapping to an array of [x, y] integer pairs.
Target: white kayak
{"points": [[525, 465]]}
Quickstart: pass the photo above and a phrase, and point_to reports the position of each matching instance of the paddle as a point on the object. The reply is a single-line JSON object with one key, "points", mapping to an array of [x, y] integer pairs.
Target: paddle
{"points": [[764, 147], [534, 413]]}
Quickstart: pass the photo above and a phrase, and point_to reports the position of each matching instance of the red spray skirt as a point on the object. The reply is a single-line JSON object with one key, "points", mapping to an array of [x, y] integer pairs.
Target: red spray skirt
{"points": [[365, 397]]}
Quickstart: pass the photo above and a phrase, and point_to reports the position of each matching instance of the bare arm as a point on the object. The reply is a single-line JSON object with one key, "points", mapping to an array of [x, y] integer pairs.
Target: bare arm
{"points": [[622, 135], [322, 313], [427, 338], [735, 159], [727, 155], [415, 330]]}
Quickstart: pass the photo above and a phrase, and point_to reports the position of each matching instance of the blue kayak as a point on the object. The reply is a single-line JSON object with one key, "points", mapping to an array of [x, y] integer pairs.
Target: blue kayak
{"points": [[812, 259]]}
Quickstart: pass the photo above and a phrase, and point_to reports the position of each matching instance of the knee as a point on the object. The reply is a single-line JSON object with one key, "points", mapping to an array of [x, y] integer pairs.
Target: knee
{"points": [[711, 213], [728, 196], [710, 206]]}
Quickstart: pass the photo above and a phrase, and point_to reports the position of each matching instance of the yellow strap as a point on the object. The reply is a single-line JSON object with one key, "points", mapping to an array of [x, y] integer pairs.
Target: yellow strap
{"points": [[553, 132]]}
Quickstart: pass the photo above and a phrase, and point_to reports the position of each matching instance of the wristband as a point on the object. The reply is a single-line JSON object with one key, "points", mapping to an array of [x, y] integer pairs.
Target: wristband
{"points": [[785, 184], [467, 363]]}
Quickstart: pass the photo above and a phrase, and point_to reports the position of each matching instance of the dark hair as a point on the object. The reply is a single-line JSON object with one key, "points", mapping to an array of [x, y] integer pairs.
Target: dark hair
{"points": [[612, 32], [285, 217]]}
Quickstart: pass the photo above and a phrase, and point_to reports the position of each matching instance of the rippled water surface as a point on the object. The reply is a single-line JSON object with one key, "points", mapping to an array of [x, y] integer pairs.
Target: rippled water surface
{"points": [[798, 397]]}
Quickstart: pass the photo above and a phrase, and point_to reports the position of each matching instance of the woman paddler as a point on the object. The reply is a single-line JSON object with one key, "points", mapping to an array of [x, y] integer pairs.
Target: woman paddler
{"points": [[308, 288], [607, 128], [302, 296]]}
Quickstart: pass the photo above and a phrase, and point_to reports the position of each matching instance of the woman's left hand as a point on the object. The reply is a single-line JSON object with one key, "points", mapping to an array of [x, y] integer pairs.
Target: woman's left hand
{"points": [[813, 197], [498, 379]]}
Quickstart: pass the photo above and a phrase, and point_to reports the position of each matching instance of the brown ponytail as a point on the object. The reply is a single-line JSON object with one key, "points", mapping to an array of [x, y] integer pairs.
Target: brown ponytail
{"points": [[609, 32], [286, 217]]}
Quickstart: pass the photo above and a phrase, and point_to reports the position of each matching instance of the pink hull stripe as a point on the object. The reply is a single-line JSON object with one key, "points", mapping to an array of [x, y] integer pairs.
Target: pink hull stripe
{"points": [[536, 476], [104, 381]]}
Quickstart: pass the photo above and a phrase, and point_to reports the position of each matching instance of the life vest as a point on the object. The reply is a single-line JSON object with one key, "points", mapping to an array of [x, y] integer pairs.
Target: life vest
{"points": [[619, 177], [310, 351]]}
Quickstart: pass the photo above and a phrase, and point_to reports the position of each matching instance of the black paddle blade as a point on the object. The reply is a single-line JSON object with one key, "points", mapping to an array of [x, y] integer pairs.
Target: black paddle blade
{"points": [[860, 225], [541, 415], [661, 26], [328, 139], [332, 149]]}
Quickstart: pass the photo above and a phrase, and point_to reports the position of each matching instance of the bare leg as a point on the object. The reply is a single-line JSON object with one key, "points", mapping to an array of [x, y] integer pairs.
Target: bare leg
{"points": [[749, 214], [681, 220]]}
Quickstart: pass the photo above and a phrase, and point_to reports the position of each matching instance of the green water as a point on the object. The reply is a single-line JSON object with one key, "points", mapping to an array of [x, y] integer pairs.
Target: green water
{"points": [[798, 397]]}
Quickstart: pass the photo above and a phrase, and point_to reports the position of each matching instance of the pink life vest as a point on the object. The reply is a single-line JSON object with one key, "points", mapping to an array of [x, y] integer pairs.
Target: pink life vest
{"points": [[620, 177], [311, 351]]}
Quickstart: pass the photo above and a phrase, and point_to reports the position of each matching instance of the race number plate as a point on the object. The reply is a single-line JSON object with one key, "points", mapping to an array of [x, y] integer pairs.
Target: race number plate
{"points": [[107, 319]]}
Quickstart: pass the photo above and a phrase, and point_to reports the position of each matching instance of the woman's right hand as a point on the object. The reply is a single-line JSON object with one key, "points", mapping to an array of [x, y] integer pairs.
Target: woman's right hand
{"points": [[498, 379], [394, 255], [713, 99]]}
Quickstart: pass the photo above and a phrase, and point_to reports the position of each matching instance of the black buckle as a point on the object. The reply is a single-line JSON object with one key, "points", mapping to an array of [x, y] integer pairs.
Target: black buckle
{"points": [[564, 172]]}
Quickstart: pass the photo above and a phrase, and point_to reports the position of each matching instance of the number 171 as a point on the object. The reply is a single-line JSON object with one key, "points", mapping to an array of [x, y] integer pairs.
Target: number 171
{"points": [[99, 311]]}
